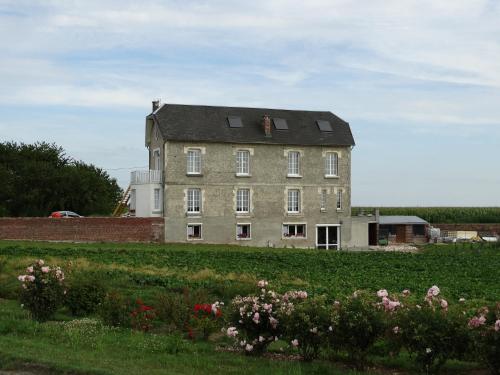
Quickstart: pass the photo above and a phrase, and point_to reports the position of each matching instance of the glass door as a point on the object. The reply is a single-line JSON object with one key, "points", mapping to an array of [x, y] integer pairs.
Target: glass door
{"points": [[328, 237]]}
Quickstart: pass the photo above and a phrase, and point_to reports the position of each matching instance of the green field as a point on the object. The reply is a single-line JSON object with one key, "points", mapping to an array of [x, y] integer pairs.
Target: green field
{"points": [[441, 215], [223, 272]]}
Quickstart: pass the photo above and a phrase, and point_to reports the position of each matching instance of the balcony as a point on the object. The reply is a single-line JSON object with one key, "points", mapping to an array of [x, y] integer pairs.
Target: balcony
{"points": [[146, 177]]}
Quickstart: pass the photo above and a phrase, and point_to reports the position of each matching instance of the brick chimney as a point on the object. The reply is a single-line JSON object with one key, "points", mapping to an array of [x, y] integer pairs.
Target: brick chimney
{"points": [[156, 105], [266, 123]]}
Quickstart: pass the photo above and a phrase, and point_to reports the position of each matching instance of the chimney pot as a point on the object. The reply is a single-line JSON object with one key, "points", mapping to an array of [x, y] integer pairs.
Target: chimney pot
{"points": [[156, 105], [266, 123]]}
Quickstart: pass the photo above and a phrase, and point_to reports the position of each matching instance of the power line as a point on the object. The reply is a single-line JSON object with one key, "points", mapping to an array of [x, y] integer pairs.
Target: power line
{"points": [[118, 169]]}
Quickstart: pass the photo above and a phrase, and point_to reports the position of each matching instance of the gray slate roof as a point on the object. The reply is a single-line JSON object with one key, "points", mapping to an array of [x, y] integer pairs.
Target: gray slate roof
{"points": [[393, 220], [209, 124]]}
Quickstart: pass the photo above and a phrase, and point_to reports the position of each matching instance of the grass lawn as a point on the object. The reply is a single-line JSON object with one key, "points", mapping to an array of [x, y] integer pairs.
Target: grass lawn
{"points": [[223, 271]]}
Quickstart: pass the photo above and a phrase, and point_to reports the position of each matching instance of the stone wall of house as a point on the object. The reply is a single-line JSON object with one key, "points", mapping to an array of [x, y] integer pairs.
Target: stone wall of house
{"points": [[87, 229], [268, 183]]}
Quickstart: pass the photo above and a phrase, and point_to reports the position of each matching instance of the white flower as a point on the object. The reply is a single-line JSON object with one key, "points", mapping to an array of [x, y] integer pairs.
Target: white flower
{"points": [[262, 283], [433, 291], [249, 348], [295, 343], [461, 300], [22, 278], [232, 332], [330, 329], [40, 262], [243, 343], [29, 269], [428, 350], [382, 293], [261, 339], [314, 330], [45, 269], [395, 330]]}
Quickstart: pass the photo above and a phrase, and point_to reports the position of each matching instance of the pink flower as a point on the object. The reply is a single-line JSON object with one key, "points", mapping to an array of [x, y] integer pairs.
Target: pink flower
{"points": [[382, 293], [497, 325], [45, 269], [29, 269], [22, 278], [262, 283], [295, 343], [476, 321], [444, 304], [433, 291], [232, 332], [256, 318], [273, 322], [30, 278]]}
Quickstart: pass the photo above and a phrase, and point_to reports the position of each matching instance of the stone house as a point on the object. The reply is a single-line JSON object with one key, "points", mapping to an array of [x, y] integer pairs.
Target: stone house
{"points": [[248, 176]]}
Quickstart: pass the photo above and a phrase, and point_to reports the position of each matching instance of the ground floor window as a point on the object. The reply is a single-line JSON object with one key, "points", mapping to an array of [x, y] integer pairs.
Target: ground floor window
{"points": [[194, 232], [294, 230], [327, 236], [243, 232]]}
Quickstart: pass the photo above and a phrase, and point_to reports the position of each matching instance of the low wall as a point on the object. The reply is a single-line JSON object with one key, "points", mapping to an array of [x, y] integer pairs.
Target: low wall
{"points": [[490, 228], [85, 229]]}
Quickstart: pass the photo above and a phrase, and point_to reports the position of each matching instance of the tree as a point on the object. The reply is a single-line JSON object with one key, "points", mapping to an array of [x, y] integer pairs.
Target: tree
{"points": [[36, 179]]}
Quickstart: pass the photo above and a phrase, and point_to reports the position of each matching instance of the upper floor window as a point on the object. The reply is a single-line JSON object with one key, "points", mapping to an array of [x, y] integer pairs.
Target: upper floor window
{"points": [[340, 204], [156, 160], [243, 200], [194, 161], [157, 199], [243, 162], [293, 201], [293, 163], [193, 201], [322, 202], [331, 164]]}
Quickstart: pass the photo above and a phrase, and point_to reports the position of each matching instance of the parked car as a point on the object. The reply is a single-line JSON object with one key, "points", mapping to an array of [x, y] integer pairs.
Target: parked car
{"points": [[61, 214]]}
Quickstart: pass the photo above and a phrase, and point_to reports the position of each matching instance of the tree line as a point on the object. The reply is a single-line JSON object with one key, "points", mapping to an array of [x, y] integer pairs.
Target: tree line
{"points": [[37, 179]]}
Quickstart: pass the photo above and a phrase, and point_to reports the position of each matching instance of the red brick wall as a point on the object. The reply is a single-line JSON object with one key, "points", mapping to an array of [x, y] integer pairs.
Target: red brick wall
{"points": [[490, 228], [85, 229]]}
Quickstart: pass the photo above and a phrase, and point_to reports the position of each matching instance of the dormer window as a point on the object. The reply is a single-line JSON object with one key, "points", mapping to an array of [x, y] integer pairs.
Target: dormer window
{"points": [[234, 122], [324, 125], [280, 124]]}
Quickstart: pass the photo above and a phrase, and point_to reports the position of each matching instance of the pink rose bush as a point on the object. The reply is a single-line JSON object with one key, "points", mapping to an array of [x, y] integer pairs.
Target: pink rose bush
{"points": [[42, 289], [257, 319]]}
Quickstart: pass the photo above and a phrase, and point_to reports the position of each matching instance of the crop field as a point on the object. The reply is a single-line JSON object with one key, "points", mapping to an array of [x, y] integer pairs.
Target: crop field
{"points": [[222, 272], [442, 215]]}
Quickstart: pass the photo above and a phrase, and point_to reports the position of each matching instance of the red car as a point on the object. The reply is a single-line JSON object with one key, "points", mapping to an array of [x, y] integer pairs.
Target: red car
{"points": [[62, 214]]}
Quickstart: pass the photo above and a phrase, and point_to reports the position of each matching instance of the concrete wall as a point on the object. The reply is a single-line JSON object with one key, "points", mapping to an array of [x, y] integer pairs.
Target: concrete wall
{"points": [[488, 228], [91, 229], [144, 205], [268, 182], [360, 231]]}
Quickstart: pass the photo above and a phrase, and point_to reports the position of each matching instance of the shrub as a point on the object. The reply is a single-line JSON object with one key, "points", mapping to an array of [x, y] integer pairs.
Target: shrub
{"points": [[85, 295], [42, 290], [356, 325], [485, 331], [115, 310], [205, 320], [307, 327], [255, 319], [173, 309], [432, 333], [142, 317]]}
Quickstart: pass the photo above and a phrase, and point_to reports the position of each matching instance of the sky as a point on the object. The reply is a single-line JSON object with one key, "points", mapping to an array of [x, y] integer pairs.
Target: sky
{"points": [[418, 81]]}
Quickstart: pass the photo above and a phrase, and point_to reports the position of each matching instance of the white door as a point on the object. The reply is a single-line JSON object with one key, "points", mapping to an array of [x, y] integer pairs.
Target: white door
{"points": [[328, 236]]}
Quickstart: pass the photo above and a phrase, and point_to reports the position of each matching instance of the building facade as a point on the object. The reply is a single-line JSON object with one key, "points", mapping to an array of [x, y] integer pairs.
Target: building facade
{"points": [[248, 176]]}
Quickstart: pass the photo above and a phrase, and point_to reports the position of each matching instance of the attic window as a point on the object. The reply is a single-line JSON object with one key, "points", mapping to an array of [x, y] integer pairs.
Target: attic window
{"points": [[235, 122], [324, 125], [280, 124]]}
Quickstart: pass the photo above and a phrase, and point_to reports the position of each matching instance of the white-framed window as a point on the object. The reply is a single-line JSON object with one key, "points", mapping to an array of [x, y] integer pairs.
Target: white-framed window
{"points": [[340, 204], [243, 231], [331, 164], [156, 160], [193, 200], [133, 200], [294, 231], [194, 161], [322, 200], [293, 205], [157, 199], [242, 162], [293, 163], [243, 200], [194, 232]]}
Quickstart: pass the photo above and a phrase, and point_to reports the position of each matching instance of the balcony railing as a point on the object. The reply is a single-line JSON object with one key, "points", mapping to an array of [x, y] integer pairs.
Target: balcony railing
{"points": [[146, 177]]}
